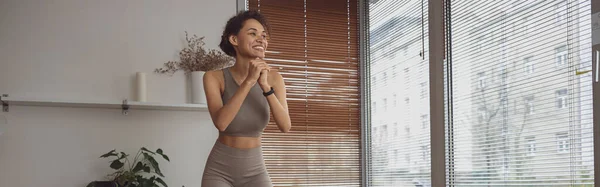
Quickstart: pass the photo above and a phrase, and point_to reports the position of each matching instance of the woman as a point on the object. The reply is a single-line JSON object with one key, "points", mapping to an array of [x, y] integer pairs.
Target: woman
{"points": [[240, 99]]}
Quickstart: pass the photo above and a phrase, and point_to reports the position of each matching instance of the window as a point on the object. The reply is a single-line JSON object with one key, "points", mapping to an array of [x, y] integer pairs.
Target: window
{"points": [[425, 152], [395, 101], [481, 80], [562, 143], [374, 107], [561, 55], [374, 81], [503, 126], [385, 78], [401, 23], [333, 116], [424, 121], [384, 104], [396, 127], [529, 65], [529, 106], [384, 133], [482, 114], [530, 146], [395, 158], [561, 98], [424, 90], [561, 12]]}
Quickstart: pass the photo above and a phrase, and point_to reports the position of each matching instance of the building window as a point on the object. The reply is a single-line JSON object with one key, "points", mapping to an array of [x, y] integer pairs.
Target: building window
{"points": [[384, 133], [561, 56], [530, 146], [425, 152], [384, 78], [529, 65], [482, 114], [562, 142], [384, 104], [423, 90], [374, 83], [529, 109], [374, 107], [561, 98], [395, 100], [561, 12], [396, 127], [424, 121], [395, 157], [481, 80], [375, 133], [406, 75]]}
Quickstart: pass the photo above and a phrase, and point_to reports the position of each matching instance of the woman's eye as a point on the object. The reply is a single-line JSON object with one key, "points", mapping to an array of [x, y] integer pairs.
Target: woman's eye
{"points": [[253, 34]]}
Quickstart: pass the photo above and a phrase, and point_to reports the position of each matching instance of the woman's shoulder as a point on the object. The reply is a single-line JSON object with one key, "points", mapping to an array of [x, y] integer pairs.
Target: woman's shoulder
{"points": [[214, 75]]}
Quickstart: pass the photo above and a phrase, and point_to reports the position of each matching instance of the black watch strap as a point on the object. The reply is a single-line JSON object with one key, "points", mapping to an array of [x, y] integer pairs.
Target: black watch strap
{"points": [[269, 92]]}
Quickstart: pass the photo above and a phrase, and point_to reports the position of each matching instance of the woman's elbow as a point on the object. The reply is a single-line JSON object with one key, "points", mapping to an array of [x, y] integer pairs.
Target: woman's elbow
{"points": [[221, 127], [285, 128]]}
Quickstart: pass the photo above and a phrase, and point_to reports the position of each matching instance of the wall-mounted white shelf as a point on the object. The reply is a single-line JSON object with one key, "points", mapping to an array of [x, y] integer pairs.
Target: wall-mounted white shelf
{"points": [[124, 105]]}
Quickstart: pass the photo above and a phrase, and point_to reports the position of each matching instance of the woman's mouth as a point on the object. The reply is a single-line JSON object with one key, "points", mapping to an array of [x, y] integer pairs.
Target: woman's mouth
{"points": [[260, 48]]}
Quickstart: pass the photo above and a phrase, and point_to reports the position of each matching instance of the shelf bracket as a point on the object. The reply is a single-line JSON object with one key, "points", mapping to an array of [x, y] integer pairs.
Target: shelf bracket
{"points": [[4, 103], [125, 107]]}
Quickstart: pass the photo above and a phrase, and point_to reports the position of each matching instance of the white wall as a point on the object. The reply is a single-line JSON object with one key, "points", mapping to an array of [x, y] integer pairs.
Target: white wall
{"points": [[90, 49]]}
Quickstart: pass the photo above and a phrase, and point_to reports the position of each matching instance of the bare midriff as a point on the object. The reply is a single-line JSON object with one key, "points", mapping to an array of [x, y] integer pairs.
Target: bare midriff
{"points": [[239, 142]]}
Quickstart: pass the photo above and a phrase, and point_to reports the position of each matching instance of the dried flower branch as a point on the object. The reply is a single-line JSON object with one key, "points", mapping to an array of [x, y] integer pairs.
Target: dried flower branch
{"points": [[195, 58]]}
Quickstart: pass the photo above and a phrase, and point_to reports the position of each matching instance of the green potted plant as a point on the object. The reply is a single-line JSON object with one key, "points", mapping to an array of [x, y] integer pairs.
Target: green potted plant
{"points": [[194, 60], [143, 171]]}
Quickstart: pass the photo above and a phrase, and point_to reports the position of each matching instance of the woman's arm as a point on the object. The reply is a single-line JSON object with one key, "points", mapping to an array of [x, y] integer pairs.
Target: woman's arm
{"points": [[277, 101]]}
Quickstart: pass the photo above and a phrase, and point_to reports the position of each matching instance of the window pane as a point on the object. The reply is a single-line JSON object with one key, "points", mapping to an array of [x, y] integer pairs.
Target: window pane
{"points": [[521, 114], [399, 72]]}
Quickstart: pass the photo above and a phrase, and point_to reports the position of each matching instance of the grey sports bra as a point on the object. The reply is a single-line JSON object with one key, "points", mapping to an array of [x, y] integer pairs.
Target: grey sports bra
{"points": [[253, 116]]}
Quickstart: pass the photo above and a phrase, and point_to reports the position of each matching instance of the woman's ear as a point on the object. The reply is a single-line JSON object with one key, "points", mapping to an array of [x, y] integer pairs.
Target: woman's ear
{"points": [[233, 40]]}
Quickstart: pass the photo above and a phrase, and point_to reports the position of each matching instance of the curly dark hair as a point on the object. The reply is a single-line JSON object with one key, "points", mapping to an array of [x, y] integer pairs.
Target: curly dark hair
{"points": [[235, 24]]}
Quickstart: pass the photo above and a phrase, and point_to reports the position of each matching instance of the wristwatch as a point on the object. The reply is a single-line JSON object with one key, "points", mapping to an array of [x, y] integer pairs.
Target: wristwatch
{"points": [[269, 92]]}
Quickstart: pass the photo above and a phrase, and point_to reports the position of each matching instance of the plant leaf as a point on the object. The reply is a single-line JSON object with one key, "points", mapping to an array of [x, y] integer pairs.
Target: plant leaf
{"points": [[123, 155], [154, 164], [116, 164], [138, 167], [144, 149], [159, 180], [166, 158], [146, 169], [111, 153], [160, 151]]}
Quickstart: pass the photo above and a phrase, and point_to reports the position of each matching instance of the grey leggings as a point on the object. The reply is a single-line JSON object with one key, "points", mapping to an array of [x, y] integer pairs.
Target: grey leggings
{"points": [[232, 167]]}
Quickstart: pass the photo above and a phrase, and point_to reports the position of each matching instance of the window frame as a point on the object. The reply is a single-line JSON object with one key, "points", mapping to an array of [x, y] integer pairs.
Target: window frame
{"points": [[436, 53], [530, 147], [562, 139], [562, 98]]}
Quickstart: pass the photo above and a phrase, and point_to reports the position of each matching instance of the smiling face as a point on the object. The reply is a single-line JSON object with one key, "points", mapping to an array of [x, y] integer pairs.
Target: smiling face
{"points": [[251, 41]]}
